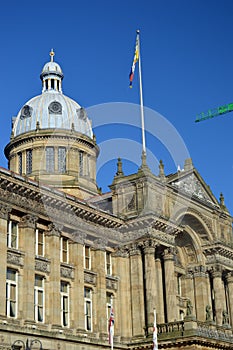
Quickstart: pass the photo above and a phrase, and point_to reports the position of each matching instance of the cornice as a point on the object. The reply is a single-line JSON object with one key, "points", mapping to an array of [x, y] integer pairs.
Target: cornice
{"points": [[24, 193]]}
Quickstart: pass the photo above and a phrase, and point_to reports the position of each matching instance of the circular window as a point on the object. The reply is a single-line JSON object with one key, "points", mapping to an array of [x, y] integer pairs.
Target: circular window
{"points": [[55, 108], [26, 112]]}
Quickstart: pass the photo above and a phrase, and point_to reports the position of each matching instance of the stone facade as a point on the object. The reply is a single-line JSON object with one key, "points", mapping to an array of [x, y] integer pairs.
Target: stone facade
{"points": [[165, 242]]}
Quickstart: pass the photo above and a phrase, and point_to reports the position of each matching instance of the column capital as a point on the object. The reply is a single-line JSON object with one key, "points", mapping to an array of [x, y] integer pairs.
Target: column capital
{"points": [[100, 243], [4, 211], [28, 221], [79, 237], [199, 271], [134, 249], [121, 252], [216, 271], [169, 254], [229, 277], [54, 230], [148, 246]]}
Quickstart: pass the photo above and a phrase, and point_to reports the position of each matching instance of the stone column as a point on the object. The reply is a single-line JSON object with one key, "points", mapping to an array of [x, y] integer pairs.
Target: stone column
{"points": [[4, 214], [137, 293], [53, 310], [159, 302], [230, 296], [124, 323], [27, 245], [100, 305], [77, 292], [170, 285], [202, 292], [149, 278], [219, 294]]}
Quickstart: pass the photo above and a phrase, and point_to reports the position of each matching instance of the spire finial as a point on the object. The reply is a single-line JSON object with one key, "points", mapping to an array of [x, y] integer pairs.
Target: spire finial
{"points": [[51, 54]]}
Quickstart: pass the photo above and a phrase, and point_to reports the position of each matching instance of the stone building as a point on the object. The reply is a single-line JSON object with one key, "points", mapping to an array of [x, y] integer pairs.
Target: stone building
{"points": [[69, 253]]}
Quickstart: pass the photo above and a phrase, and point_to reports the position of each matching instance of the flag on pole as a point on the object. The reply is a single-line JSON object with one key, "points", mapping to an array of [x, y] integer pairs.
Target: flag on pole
{"points": [[111, 327], [135, 60], [155, 340]]}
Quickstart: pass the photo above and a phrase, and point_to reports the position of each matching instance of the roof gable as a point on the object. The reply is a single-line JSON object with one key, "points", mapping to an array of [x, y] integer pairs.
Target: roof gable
{"points": [[192, 184]]}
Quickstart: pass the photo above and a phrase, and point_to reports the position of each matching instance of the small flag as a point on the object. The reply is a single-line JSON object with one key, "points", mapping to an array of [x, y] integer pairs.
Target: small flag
{"points": [[155, 340], [135, 60], [111, 326]]}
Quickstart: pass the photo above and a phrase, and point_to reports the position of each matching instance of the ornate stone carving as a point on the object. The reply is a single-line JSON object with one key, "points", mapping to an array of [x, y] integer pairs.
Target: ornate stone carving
{"points": [[192, 186], [54, 230], [134, 249], [67, 271], [121, 252], [15, 258], [79, 237], [90, 277], [42, 265], [4, 211], [100, 243], [111, 283], [28, 221]]}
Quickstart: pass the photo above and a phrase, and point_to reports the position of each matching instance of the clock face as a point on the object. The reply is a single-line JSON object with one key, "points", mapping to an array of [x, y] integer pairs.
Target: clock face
{"points": [[55, 107], [26, 112]]}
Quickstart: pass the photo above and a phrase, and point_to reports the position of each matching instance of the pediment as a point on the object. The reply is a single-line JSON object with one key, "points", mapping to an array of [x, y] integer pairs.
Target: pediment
{"points": [[194, 186]]}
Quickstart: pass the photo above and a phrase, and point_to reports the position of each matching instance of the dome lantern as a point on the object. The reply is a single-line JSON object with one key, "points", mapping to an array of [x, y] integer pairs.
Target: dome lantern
{"points": [[51, 75]]}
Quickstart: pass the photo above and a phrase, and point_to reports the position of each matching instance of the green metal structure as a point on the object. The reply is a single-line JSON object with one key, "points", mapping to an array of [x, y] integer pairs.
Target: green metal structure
{"points": [[211, 113]]}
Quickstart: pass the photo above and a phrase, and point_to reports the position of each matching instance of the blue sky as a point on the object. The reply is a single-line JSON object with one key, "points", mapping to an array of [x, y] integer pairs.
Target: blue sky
{"points": [[187, 66]]}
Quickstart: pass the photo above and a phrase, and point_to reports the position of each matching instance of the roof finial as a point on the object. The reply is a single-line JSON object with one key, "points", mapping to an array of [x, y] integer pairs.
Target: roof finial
{"points": [[51, 54]]}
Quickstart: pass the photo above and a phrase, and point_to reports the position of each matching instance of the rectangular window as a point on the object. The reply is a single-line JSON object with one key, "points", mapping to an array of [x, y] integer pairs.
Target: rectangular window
{"points": [[62, 160], [64, 304], [12, 234], [11, 293], [50, 163], [64, 250], [81, 163], [109, 303], [39, 298], [20, 163], [108, 263], [88, 308], [39, 242], [28, 161], [87, 257]]}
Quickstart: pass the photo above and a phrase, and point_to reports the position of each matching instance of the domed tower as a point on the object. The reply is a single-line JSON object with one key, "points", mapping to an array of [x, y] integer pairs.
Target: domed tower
{"points": [[52, 139]]}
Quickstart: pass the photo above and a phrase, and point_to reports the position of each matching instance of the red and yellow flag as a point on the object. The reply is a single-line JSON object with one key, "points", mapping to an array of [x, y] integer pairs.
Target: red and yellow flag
{"points": [[135, 60]]}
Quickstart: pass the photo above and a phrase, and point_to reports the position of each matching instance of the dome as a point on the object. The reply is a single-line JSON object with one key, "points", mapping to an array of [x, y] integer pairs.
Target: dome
{"points": [[52, 109]]}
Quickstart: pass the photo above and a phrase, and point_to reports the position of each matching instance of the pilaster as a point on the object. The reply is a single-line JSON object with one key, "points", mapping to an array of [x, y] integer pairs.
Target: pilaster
{"points": [[137, 293], [124, 325], [202, 292], [4, 213], [77, 309], [230, 296], [53, 311], [27, 227], [100, 297]]}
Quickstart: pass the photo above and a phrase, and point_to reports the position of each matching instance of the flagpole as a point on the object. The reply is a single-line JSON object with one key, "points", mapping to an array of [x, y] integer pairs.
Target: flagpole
{"points": [[141, 97]]}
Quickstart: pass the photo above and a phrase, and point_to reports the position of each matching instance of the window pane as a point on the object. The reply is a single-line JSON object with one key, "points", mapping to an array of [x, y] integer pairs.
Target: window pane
{"points": [[39, 281], [12, 292], [62, 159], [11, 275], [40, 314], [20, 163], [28, 161], [12, 309], [50, 159]]}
